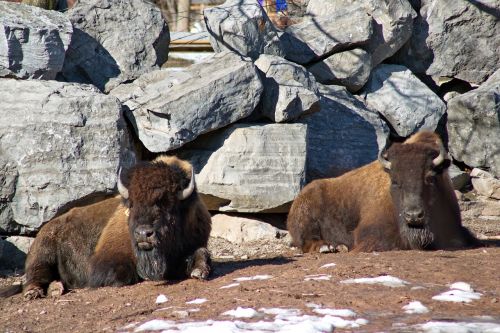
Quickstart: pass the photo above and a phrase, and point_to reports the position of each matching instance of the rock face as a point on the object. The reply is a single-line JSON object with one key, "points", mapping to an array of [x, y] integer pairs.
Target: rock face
{"points": [[242, 26], [238, 230], [250, 168], [485, 184], [407, 103], [114, 41], [13, 252], [474, 126], [168, 111], [342, 136], [393, 22], [289, 89], [350, 69], [33, 41], [60, 143], [318, 37], [454, 39]]}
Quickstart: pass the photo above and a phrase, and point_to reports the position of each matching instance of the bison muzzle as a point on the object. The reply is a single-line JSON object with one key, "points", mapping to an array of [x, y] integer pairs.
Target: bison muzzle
{"points": [[157, 229], [405, 200]]}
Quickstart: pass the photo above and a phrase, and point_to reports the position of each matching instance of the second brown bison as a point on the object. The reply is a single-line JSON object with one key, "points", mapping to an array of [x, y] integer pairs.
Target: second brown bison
{"points": [[158, 229], [403, 201]]}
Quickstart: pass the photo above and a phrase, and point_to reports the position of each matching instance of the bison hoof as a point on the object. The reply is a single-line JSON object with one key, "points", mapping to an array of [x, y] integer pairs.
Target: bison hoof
{"points": [[33, 293], [55, 289], [199, 274], [326, 249]]}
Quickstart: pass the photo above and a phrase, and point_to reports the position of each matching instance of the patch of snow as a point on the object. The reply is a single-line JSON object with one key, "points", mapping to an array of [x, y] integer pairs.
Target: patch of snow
{"points": [[240, 312], [197, 301], [415, 307], [317, 277], [252, 278], [155, 325], [328, 265], [232, 285], [335, 312], [385, 280], [285, 321], [458, 327], [280, 312], [161, 299], [462, 286], [457, 296]]}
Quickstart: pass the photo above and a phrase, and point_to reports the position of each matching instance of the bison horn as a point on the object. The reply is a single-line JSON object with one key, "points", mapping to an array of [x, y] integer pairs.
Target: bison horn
{"points": [[189, 189], [383, 160], [441, 157], [121, 188]]}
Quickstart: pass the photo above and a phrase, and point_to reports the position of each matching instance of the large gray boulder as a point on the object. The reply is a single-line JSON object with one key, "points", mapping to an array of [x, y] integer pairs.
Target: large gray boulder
{"points": [[342, 136], [474, 126], [242, 26], [318, 37], [13, 251], [289, 89], [458, 39], [60, 145], [33, 41], [392, 27], [114, 41], [168, 110], [405, 101], [250, 168], [350, 69]]}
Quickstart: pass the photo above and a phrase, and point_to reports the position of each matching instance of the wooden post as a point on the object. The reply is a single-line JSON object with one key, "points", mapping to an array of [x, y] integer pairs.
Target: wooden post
{"points": [[183, 15]]}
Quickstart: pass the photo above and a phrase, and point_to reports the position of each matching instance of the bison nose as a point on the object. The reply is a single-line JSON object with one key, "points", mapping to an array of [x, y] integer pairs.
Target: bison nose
{"points": [[144, 233], [414, 217]]}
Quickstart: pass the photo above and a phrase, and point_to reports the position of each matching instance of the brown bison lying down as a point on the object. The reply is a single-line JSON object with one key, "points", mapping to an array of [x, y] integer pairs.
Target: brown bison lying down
{"points": [[158, 229], [403, 201]]}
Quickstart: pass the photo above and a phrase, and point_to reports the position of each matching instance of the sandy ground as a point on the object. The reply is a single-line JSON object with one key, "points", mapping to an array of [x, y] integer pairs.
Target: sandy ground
{"points": [[292, 282]]}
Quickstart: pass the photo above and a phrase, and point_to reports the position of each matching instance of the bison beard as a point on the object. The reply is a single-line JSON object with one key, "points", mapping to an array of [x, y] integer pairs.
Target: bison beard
{"points": [[405, 200]]}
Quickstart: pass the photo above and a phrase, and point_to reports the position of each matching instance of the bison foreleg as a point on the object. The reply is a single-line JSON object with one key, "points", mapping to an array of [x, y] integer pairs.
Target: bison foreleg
{"points": [[199, 264]]}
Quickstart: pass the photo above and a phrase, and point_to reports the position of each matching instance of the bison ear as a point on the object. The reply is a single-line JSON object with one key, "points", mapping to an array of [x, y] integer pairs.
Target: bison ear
{"points": [[122, 189]]}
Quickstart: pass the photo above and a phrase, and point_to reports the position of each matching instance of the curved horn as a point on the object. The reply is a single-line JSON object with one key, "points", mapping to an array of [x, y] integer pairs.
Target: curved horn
{"points": [[441, 157], [382, 157], [189, 189], [121, 188]]}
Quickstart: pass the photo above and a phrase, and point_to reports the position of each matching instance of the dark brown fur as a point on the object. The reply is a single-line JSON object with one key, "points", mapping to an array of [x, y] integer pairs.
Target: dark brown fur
{"points": [[96, 245], [363, 209]]}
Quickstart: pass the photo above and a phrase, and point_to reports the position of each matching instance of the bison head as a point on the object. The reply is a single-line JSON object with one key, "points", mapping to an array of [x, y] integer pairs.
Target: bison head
{"points": [[153, 194], [416, 174]]}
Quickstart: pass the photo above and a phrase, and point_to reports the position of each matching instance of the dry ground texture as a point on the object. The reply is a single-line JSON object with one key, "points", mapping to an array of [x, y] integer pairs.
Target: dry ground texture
{"points": [[291, 281]]}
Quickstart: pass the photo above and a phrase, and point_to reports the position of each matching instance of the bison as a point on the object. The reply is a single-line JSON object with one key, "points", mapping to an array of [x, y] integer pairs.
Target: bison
{"points": [[405, 200], [156, 229]]}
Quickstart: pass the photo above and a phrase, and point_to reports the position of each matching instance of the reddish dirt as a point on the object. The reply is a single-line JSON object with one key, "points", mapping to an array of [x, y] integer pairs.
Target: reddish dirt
{"points": [[110, 309]]}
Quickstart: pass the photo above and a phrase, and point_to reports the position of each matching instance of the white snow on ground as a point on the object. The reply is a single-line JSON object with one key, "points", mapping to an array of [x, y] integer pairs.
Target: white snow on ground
{"points": [[285, 320], [280, 312], [461, 286], [415, 307], [161, 299], [460, 292], [197, 301], [458, 327], [335, 312], [240, 312], [317, 277], [232, 285], [328, 265], [252, 278], [385, 280]]}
